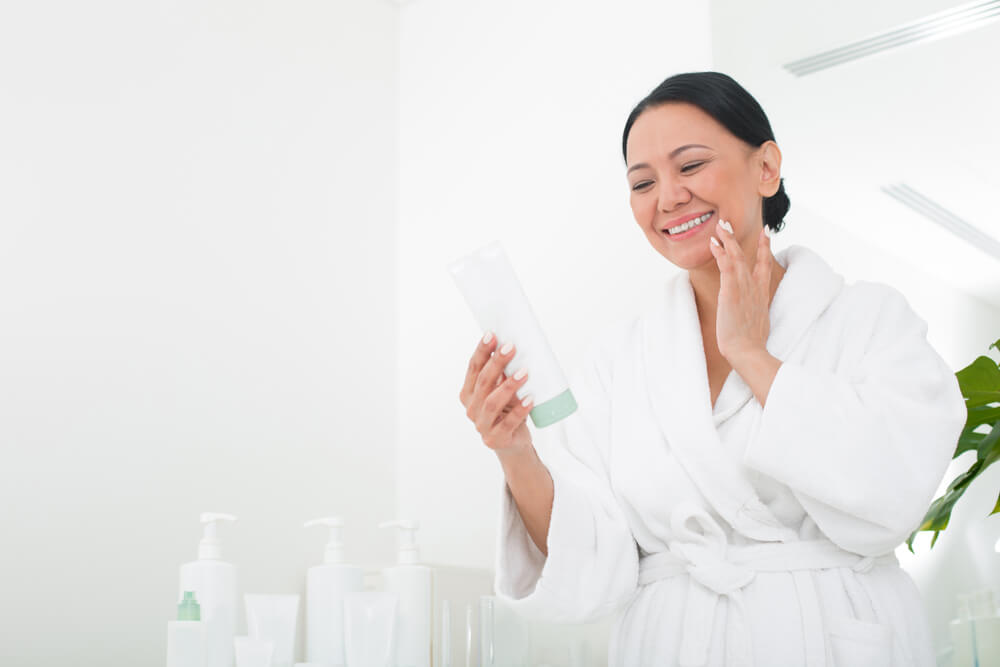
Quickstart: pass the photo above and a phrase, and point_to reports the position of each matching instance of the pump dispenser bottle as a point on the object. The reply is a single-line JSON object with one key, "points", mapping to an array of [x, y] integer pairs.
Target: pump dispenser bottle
{"points": [[326, 585], [213, 582], [412, 583]]}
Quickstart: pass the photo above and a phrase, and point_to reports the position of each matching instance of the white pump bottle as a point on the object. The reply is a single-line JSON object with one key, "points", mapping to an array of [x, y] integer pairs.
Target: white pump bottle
{"points": [[412, 583], [326, 585], [214, 583]]}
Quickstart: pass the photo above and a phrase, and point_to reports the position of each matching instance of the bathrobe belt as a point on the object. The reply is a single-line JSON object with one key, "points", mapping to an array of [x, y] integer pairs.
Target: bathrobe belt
{"points": [[719, 569]]}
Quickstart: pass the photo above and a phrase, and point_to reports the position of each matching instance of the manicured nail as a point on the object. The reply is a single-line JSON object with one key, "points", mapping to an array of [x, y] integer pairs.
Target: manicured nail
{"points": [[527, 400], [520, 374], [487, 338], [507, 347], [725, 225], [714, 241]]}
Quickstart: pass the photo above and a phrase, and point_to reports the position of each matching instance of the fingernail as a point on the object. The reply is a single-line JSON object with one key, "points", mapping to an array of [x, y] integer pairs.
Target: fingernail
{"points": [[725, 225], [487, 338], [527, 400], [507, 347], [520, 374], [714, 241]]}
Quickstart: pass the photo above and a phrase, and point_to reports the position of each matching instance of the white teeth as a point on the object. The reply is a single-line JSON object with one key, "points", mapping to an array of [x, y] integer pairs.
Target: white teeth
{"points": [[690, 224]]}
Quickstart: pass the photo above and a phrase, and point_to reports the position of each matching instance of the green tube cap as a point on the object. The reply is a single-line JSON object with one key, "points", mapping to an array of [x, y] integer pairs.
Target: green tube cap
{"points": [[554, 409], [188, 609]]}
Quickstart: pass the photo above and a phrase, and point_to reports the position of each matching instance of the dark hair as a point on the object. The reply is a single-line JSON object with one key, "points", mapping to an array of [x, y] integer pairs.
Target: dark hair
{"points": [[732, 106]]}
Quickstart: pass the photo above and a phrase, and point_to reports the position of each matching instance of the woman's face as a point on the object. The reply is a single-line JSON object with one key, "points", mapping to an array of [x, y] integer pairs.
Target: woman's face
{"points": [[682, 165]]}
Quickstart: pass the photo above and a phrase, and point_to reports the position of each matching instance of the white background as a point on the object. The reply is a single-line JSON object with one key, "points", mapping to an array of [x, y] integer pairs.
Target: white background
{"points": [[224, 231]]}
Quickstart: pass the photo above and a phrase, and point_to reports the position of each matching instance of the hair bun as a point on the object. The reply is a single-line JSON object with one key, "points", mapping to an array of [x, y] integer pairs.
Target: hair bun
{"points": [[776, 207]]}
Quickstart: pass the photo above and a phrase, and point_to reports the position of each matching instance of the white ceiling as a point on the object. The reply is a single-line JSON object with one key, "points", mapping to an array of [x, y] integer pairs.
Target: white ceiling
{"points": [[925, 114]]}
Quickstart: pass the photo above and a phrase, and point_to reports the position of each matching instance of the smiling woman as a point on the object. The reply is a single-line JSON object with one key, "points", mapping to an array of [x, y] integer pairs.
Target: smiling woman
{"points": [[734, 479]]}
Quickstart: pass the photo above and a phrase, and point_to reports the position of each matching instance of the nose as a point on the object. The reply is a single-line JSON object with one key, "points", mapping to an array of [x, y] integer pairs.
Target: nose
{"points": [[671, 195]]}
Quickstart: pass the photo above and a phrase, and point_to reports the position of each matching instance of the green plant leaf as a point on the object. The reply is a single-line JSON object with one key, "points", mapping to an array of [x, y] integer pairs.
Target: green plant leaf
{"points": [[990, 455], [979, 416], [976, 399], [966, 477], [983, 374], [980, 385], [968, 441]]}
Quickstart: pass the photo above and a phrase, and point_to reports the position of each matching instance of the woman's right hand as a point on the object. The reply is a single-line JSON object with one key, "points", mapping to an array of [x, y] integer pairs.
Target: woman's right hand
{"points": [[490, 398]]}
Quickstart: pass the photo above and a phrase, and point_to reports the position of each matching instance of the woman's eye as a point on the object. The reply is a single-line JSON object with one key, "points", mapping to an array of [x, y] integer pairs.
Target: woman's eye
{"points": [[640, 185], [691, 166]]}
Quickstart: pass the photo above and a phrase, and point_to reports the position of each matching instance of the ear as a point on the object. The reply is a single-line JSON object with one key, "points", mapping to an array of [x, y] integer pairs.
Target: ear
{"points": [[769, 157]]}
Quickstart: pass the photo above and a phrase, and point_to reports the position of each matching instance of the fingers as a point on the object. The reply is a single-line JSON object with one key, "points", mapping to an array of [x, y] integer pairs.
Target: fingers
{"points": [[479, 358], [762, 271], [728, 239], [499, 407], [489, 378], [517, 413], [721, 258]]}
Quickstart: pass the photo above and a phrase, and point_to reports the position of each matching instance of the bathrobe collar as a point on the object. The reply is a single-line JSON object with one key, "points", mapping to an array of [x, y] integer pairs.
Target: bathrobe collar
{"points": [[678, 384]]}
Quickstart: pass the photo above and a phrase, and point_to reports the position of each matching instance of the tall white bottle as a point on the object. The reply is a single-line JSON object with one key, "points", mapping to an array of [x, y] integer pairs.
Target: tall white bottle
{"points": [[214, 583], [412, 583], [326, 585]]}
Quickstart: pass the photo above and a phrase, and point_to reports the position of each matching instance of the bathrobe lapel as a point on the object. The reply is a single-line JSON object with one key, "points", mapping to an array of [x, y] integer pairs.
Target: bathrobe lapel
{"points": [[677, 381]]}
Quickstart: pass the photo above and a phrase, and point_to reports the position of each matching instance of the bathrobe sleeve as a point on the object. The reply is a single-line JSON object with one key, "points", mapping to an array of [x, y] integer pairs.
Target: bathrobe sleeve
{"points": [[864, 446], [592, 564]]}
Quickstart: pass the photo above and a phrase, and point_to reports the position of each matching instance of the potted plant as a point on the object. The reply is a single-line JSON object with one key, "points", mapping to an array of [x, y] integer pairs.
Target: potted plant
{"points": [[980, 384]]}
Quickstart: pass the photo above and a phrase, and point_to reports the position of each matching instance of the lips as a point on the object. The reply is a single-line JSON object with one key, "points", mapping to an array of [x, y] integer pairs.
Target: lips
{"points": [[682, 220], [684, 229]]}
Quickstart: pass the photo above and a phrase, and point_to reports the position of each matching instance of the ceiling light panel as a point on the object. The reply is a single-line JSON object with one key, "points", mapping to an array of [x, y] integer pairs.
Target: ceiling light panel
{"points": [[940, 215], [958, 19]]}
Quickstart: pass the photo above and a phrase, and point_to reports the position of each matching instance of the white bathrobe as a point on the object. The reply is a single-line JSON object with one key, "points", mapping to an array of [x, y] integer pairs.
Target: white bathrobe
{"points": [[743, 535]]}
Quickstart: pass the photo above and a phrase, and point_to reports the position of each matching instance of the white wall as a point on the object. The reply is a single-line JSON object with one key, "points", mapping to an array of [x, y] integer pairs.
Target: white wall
{"points": [[197, 304], [511, 121]]}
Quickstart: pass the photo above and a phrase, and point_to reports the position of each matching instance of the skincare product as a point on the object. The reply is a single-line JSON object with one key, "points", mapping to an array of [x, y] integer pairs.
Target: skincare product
{"points": [[370, 628], [493, 293], [186, 635], [326, 586], [252, 652], [272, 618], [445, 647], [504, 636], [412, 583], [468, 635], [986, 622], [213, 582]]}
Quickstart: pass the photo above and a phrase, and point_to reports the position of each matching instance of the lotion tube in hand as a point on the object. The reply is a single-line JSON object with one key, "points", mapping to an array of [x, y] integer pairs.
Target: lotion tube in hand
{"points": [[493, 293]]}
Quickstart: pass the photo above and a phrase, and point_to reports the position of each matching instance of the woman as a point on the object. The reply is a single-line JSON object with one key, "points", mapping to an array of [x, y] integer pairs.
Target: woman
{"points": [[749, 451]]}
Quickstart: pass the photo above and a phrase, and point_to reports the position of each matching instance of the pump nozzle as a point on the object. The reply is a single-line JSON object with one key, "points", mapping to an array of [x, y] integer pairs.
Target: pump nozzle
{"points": [[189, 609], [408, 553], [210, 547], [334, 553]]}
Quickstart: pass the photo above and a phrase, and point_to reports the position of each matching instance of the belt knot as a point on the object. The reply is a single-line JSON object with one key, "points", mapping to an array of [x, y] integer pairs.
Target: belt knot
{"points": [[701, 545]]}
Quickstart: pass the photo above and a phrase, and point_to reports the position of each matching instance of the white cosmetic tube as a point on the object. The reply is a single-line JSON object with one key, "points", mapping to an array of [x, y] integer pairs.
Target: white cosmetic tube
{"points": [[272, 618], [369, 628], [252, 652], [493, 293]]}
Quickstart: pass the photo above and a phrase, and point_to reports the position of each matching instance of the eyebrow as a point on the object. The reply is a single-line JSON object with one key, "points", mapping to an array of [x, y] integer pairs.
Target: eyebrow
{"points": [[673, 154]]}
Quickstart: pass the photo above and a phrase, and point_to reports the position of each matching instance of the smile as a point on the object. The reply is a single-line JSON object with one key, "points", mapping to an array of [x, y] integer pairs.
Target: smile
{"points": [[690, 224]]}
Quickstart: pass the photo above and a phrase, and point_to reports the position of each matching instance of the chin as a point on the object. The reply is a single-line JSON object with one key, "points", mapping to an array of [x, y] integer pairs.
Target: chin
{"points": [[691, 259]]}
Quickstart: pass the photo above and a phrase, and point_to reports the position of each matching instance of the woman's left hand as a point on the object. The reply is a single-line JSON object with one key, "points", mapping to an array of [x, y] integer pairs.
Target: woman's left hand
{"points": [[742, 320]]}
